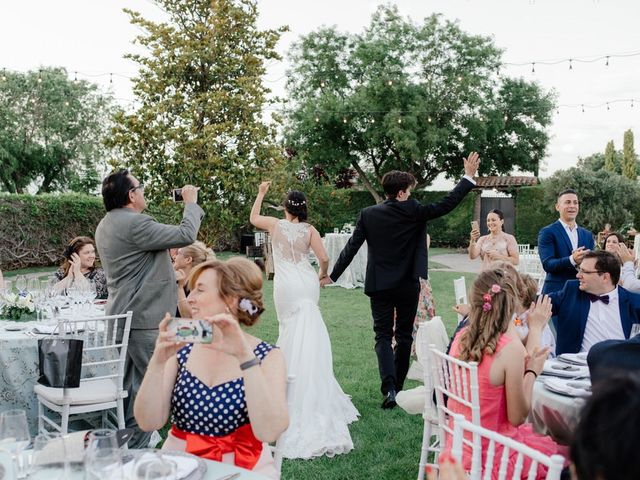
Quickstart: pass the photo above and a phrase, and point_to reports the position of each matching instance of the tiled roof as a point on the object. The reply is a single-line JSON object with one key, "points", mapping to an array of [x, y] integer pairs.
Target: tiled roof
{"points": [[505, 182]]}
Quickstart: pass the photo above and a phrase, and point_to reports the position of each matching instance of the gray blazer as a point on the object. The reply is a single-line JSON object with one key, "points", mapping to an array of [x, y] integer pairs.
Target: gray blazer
{"points": [[133, 251]]}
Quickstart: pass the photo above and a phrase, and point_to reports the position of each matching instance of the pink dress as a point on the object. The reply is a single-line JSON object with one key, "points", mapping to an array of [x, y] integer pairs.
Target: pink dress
{"points": [[493, 416]]}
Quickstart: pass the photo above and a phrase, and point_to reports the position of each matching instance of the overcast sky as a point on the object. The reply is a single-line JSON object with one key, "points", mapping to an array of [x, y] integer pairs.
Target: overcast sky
{"points": [[91, 36]]}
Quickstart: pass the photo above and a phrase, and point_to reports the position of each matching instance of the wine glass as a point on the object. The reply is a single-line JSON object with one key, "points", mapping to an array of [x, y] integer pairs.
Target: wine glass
{"points": [[21, 283], [153, 466], [15, 431], [102, 438], [103, 463], [49, 457]]}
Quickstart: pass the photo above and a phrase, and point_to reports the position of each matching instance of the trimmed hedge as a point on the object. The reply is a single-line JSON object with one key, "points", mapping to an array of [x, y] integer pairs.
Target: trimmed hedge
{"points": [[34, 229]]}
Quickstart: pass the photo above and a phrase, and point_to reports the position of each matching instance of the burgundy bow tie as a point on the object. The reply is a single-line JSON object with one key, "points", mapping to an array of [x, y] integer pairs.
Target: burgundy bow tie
{"points": [[603, 298]]}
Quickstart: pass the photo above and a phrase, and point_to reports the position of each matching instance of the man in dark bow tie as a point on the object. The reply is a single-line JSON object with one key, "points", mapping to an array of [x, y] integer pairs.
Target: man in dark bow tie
{"points": [[593, 308]]}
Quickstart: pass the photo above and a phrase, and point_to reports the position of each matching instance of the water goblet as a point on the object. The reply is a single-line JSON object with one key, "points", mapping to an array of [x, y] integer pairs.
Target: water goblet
{"points": [[49, 457], [15, 431], [153, 466], [21, 283], [102, 438], [103, 463]]}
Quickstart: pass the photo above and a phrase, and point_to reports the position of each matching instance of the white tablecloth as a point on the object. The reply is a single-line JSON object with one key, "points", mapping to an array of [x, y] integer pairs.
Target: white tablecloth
{"points": [[354, 275], [554, 414], [19, 368]]}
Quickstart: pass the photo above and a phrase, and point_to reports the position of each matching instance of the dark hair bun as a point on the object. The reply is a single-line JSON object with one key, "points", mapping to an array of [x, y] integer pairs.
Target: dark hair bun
{"points": [[296, 205]]}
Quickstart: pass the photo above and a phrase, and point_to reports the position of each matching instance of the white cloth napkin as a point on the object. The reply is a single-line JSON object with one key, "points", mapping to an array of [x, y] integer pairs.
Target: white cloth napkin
{"points": [[185, 466], [573, 388]]}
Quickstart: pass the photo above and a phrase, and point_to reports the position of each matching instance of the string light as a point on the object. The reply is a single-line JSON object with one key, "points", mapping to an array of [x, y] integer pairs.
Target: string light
{"points": [[321, 84], [111, 78], [533, 67], [582, 108], [570, 64], [399, 120], [390, 82]]}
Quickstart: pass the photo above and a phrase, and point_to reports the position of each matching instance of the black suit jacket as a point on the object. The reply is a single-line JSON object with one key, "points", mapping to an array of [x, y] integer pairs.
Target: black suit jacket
{"points": [[614, 356], [396, 236]]}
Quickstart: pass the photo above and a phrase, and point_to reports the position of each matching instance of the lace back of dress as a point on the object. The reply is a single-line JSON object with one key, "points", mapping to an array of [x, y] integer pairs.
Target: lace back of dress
{"points": [[291, 241]]}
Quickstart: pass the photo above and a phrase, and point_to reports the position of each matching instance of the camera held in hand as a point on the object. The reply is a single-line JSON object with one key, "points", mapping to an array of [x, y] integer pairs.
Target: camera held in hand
{"points": [[177, 195]]}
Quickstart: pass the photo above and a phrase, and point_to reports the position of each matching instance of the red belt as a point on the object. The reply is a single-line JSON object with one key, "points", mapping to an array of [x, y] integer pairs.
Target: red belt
{"points": [[242, 442]]}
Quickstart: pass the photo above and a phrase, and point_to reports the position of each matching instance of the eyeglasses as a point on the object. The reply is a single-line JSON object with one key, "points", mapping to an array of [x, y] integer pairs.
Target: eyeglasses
{"points": [[139, 186], [585, 272]]}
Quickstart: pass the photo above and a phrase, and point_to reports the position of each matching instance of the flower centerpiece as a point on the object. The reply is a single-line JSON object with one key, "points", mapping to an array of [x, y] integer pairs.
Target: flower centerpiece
{"points": [[18, 306]]}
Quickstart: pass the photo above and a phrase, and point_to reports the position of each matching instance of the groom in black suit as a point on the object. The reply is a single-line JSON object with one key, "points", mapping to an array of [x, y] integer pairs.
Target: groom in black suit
{"points": [[396, 235]]}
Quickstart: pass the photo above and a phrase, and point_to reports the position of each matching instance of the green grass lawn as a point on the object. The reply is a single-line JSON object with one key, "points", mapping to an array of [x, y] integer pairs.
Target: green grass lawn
{"points": [[387, 442]]}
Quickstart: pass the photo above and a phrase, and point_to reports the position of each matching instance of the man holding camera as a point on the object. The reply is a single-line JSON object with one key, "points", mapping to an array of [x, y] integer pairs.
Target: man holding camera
{"points": [[133, 249]]}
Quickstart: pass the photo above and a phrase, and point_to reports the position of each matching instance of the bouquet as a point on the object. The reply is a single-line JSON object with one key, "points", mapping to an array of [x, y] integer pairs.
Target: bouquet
{"points": [[17, 305]]}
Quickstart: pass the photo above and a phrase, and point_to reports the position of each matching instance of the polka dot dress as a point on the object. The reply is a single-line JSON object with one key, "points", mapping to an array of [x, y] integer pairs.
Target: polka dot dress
{"points": [[216, 411]]}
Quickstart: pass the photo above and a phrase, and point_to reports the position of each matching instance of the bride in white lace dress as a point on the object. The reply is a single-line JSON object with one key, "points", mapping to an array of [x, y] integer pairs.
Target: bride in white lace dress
{"points": [[320, 411]]}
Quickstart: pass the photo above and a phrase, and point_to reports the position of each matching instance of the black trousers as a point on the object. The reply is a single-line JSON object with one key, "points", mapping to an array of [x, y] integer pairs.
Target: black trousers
{"points": [[403, 302]]}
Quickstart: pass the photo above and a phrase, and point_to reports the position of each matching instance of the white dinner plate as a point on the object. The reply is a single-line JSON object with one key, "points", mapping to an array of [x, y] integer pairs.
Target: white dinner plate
{"points": [[568, 387], [14, 328], [573, 358], [562, 369]]}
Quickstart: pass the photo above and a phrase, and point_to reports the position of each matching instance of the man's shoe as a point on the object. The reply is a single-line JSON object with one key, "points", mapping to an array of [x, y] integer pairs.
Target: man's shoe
{"points": [[390, 400]]}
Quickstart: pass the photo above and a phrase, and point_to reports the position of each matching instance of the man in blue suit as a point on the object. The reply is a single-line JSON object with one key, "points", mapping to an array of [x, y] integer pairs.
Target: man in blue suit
{"points": [[563, 244], [593, 308]]}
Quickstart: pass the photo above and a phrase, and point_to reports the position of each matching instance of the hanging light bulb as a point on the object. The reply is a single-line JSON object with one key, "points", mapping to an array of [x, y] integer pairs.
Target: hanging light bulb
{"points": [[429, 119], [390, 82], [506, 118], [373, 120], [321, 84], [317, 119], [66, 103], [459, 78], [582, 108], [570, 65], [533, 67], [607, 63], [75, 77], [607, 106], [399, 120], [111, 78], [344, 120]]}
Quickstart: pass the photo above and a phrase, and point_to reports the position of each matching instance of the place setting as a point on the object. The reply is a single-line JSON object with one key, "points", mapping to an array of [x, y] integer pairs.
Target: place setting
{"points": [[568, 375]]}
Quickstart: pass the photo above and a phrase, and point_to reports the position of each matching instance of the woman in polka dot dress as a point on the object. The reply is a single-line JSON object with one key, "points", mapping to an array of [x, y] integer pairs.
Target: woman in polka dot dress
{"points": [[226, 399]]}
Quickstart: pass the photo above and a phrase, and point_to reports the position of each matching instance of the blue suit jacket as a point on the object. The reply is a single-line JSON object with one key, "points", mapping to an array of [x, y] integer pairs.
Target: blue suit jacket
{"points": [[554, 248], [571, 309]]}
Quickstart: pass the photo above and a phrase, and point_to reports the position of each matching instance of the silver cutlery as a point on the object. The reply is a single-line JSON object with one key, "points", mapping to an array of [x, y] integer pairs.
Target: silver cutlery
{"points": [[229, 477]]}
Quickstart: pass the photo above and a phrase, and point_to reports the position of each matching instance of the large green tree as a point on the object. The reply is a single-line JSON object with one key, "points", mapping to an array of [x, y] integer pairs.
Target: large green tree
{"points": [[604, 197], [409, 96], [629, 157], [200, 100], [52, 131]]}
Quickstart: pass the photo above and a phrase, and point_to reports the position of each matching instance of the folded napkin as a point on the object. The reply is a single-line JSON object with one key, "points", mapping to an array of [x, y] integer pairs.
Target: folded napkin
{"points": [[561, 369], [572, 388], [185, 466]]}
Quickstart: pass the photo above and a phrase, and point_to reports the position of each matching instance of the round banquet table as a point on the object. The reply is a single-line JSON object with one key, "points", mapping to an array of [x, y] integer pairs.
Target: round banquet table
{"points": [[554, 414], [19, 372], [354, 275]]}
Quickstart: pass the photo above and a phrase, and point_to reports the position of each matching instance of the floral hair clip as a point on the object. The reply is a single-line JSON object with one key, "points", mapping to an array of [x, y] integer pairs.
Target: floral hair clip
{"points": [[487, 298], [247, 306], [296, 204]]}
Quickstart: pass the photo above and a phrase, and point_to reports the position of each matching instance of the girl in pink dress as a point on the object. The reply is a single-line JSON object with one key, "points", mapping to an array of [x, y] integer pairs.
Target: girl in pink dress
{"points": [[506, 373]]}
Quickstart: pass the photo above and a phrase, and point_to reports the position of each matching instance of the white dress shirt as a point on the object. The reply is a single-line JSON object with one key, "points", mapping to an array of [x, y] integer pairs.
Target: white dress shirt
{"points": [[573, 238], [603, 322]]}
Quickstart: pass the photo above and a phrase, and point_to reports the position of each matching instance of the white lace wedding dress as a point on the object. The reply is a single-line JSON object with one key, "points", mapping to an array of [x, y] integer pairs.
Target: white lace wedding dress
{"points": [[320, 411]]}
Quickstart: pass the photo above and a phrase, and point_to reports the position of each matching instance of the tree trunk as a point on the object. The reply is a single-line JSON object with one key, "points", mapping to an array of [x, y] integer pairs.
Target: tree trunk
{"points": [[367, 183]]}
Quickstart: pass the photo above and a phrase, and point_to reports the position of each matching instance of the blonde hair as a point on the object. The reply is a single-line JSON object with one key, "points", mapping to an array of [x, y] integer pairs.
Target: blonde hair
{"points": [[198, 252], [486, 326], [239, 278]]}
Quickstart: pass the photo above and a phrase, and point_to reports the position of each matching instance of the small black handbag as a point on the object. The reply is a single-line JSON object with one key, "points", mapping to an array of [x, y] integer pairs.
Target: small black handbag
{"points": [[60, 362]]}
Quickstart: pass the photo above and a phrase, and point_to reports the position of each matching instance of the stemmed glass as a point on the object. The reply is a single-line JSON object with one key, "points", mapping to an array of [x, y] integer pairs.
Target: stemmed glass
{"points": [[21, 283], [15, 431], [103, 463], [49, 455]]}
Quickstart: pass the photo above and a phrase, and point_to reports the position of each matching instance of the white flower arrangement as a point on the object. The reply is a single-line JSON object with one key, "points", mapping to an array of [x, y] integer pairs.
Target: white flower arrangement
{"points": [[16, 305]]}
